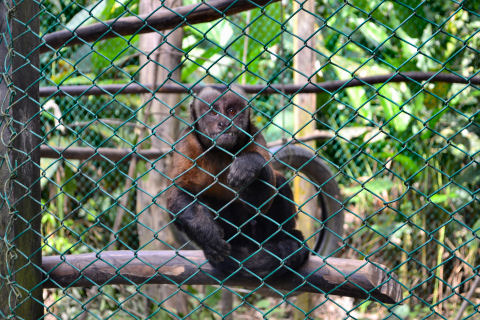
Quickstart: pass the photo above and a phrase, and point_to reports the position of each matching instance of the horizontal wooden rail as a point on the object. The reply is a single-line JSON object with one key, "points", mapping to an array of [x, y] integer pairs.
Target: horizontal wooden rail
{"points": [[331, 86], [162, 19], [122, 154], [345, 277], [112, 154]]}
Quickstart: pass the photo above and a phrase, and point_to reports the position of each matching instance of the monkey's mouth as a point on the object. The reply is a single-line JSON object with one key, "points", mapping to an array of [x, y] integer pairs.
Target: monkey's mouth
{"points": [[226, 134], [225, 139], [218, 134]]}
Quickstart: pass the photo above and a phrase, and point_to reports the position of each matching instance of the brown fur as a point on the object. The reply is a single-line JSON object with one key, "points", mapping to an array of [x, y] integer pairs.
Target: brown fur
{"points": [[199, 172]]}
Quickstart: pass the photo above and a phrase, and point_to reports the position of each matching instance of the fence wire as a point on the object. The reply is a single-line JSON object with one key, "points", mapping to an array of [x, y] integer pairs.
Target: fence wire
{"points": [[369, 109]]}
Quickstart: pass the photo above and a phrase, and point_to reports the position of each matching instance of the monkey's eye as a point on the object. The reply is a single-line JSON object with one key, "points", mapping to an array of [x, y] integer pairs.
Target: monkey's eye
{"points": [[230, 111]]}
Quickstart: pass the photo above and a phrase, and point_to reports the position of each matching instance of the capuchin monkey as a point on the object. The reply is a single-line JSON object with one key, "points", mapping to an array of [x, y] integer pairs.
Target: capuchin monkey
{"points": [[226, 196]]}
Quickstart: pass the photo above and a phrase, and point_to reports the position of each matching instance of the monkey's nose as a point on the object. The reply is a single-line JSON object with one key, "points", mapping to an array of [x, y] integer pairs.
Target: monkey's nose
{"points": [[222, 125]]}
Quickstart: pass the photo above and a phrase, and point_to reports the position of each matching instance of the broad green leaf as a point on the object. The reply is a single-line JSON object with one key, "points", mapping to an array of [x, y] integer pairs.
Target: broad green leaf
{"points": [[199, 56], [91, 14], [390, 97], [374, 34], [107, 53], [405, 161], [358, 100], [442, 198]]}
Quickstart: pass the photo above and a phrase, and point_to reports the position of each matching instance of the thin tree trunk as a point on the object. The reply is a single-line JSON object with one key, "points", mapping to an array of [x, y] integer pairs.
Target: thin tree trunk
{"points": [[159, 66]]}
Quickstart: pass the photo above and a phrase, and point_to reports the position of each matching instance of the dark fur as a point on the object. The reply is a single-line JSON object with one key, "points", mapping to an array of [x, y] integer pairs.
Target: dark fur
{"points": [[227, 198]]}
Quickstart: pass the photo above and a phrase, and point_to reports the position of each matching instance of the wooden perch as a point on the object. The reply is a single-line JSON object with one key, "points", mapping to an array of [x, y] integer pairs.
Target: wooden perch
{"points": [[345, 277], [162, 19]]}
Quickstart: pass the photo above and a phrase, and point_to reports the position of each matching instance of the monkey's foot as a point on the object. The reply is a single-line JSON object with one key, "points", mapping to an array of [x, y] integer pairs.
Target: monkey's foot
{"points": [[217, 251]]}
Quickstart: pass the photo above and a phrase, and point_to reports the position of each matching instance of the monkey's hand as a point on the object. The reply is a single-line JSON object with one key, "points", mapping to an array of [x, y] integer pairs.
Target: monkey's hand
{"points": [[216, 250], [197, 222], [245, 169]]}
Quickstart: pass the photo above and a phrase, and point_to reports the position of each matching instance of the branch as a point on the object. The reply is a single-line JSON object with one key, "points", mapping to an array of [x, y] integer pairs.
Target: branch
{"points": [[352, 278], [327, 86], [162, 19], [466, 299]]}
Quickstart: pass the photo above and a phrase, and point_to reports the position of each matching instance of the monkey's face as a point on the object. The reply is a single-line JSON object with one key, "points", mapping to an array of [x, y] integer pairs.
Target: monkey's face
{"points": [[222, 119]]}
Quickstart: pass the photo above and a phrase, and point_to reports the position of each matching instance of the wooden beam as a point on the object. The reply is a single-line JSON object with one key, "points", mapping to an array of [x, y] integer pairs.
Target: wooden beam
{"points": [[25, 158], [304, 124], [330, 86], [161, 63], [161, 19], [335, 276], [6, 259], [112, 154]]}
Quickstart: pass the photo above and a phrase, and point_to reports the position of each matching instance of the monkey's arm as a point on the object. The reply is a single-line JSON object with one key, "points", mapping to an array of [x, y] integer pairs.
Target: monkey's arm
{"points": [[197, 222], [251, 163], [246, 168], [253, 178]]}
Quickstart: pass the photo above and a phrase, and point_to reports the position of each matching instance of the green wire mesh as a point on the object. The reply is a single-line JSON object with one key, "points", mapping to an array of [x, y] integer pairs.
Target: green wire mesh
{"points": [[405, 153]]}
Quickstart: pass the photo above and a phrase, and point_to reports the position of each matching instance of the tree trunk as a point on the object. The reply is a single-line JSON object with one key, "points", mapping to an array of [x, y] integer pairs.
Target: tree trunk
{"points": [[159, 66]]}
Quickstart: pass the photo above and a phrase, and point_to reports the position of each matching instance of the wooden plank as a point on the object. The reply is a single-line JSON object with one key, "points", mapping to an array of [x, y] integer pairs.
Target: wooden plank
{"points": [[353, 278], [25, 156], [162, 19]]}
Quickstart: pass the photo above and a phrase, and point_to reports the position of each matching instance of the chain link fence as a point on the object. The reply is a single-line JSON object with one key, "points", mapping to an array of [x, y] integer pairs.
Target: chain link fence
{"points": [[369, 109]]}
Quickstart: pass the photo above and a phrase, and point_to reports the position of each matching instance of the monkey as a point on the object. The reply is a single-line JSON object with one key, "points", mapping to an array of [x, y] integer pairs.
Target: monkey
{"points": [[225, 194]]}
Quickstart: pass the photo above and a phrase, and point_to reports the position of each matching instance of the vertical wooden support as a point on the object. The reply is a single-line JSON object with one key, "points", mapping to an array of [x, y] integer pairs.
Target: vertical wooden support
{"points": [[4, 171], [160, 65], [304, 109], [25, 157], [305, 104]]}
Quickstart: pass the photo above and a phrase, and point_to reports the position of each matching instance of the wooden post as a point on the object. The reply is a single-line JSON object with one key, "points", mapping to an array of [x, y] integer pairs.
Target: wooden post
{"points": [[159, 66], [304, 109], [25, 158], [4, 171]]}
